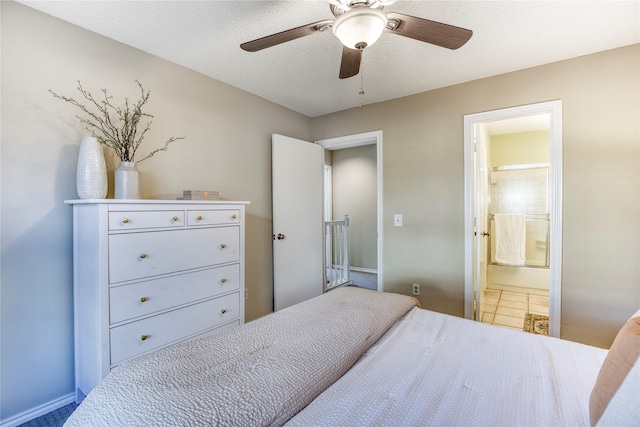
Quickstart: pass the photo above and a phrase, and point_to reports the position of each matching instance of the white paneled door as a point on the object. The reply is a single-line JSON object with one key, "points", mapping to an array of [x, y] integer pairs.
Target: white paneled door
{"points": [[298, 229]]}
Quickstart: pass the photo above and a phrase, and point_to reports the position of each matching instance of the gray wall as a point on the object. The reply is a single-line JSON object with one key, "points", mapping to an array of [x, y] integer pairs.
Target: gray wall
{"points": [[423, 179], [227, 148], [355, 187]]}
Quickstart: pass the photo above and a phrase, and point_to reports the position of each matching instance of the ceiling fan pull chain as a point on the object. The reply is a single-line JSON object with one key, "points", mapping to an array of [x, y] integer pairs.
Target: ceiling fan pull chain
{"points": [[361, 93]]}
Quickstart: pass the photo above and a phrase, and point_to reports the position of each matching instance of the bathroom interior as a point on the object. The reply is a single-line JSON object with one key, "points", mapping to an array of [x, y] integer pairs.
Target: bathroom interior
{"points": [[515, 211]]}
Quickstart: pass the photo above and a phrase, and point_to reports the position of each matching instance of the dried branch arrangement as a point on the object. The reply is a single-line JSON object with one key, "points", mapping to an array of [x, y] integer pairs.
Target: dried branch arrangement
{"points": [[116, 127]]}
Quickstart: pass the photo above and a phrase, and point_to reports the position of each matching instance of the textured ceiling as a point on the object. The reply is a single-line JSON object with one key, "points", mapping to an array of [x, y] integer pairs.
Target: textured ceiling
{"points": [[303, 74]]}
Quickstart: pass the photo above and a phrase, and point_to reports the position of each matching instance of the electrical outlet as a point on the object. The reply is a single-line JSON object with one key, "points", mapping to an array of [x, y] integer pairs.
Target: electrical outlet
{"points": [[416, 289], [246, 294]]}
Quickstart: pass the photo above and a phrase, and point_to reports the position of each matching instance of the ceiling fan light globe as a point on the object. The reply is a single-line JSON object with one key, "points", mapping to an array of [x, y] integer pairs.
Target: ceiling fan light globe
{"points": [[359, 27]]}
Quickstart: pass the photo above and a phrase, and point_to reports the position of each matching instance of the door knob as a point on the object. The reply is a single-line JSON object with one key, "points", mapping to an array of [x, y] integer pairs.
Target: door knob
{"points": [[280, 236], [485, 234]]}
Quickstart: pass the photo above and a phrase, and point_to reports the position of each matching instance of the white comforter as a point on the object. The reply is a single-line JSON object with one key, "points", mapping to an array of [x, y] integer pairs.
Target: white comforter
{"points": [[432, 369], [261, 373]]}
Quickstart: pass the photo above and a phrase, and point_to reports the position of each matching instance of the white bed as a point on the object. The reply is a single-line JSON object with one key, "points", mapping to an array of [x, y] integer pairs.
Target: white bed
{"points": [[354, 357]]}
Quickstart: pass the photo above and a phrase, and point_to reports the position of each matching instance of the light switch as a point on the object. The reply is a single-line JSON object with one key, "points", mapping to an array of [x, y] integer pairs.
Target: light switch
{"points": [[397, 220]]}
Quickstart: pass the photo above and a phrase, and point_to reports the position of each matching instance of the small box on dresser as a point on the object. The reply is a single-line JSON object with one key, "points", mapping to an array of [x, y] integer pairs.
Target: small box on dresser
{"points": [[200, 195], [151, 273]]}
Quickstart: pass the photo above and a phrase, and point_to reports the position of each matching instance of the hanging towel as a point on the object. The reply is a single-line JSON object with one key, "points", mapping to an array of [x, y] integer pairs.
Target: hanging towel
{"points": [[510, 235]]}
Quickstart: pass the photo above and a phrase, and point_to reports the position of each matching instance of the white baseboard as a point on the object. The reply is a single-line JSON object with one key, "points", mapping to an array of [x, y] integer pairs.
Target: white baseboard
{"points": [[38, 411], [364, 270]]}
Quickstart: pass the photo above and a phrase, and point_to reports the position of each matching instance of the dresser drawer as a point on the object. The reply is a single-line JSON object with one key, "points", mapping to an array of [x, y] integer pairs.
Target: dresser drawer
{"points": [[132, 220], [159, 331], [213, 217], [138, 255], [143, 298]]}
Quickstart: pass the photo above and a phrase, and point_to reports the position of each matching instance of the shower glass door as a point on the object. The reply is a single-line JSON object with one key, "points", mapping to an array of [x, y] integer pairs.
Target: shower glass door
{"points": [[523, 189]]}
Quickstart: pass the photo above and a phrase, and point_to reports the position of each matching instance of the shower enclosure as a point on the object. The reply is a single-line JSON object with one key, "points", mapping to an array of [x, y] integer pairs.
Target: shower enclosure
{"points": [[520, 192]]}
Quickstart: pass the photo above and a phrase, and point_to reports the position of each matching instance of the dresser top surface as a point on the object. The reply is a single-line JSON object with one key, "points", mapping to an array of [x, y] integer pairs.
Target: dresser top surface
{"points": [[154, 202]]}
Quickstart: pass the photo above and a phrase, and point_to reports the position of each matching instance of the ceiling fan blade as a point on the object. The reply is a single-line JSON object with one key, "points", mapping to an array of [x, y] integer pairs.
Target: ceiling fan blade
{"points": [[433, 32], [285, 36], [350, 65]]}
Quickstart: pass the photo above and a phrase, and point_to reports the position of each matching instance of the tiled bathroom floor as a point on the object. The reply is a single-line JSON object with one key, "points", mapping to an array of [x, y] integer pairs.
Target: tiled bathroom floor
{"points": [[508, 309]]}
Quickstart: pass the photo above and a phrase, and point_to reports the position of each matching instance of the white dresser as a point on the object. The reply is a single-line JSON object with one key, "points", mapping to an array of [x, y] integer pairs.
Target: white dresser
{"points": [[151, 273]]}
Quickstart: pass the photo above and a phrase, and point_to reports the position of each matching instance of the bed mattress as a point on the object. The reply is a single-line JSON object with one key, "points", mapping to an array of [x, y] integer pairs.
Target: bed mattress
{"points": [[436, 369], [258, 374]]}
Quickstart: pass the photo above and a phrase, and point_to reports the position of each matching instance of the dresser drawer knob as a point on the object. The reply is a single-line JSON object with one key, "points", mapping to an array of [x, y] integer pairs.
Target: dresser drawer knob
{"points": [[223, 246], [144, 337], [125, 220], [143, 299], [143, 255], [199, 217], [223, 311], [234, 216], [175, 219], [223, 280]]}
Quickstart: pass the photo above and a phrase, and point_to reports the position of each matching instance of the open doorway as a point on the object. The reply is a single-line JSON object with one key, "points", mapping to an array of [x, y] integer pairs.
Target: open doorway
{"points": [[513, 214], [354, 186]]}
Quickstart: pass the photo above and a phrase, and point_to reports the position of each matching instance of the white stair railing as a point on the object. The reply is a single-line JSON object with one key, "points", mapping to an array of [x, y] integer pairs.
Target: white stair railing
{"points": [[337, 253]]}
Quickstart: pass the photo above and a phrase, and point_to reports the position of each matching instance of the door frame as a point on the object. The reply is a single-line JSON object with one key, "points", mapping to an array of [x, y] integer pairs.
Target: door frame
{"points": [[554, 109], [357, 140]]}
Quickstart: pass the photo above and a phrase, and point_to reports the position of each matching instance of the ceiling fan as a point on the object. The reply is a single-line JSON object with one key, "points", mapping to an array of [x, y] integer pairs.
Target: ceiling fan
{"points": [[359, 24]]}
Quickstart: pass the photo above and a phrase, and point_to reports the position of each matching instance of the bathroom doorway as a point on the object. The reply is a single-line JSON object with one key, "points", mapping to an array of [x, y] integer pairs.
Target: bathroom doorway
{"points": [[513, 194]]}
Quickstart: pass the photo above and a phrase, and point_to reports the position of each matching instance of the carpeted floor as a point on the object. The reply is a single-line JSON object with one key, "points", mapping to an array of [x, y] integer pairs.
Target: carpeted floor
{"points": [[52, 419], [364, 280], [358, 278], [536, 324]]}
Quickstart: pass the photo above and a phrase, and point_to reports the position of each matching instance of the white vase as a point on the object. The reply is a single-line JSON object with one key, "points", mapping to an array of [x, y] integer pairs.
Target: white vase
{"points": [[127, 181], [91, 173]]}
